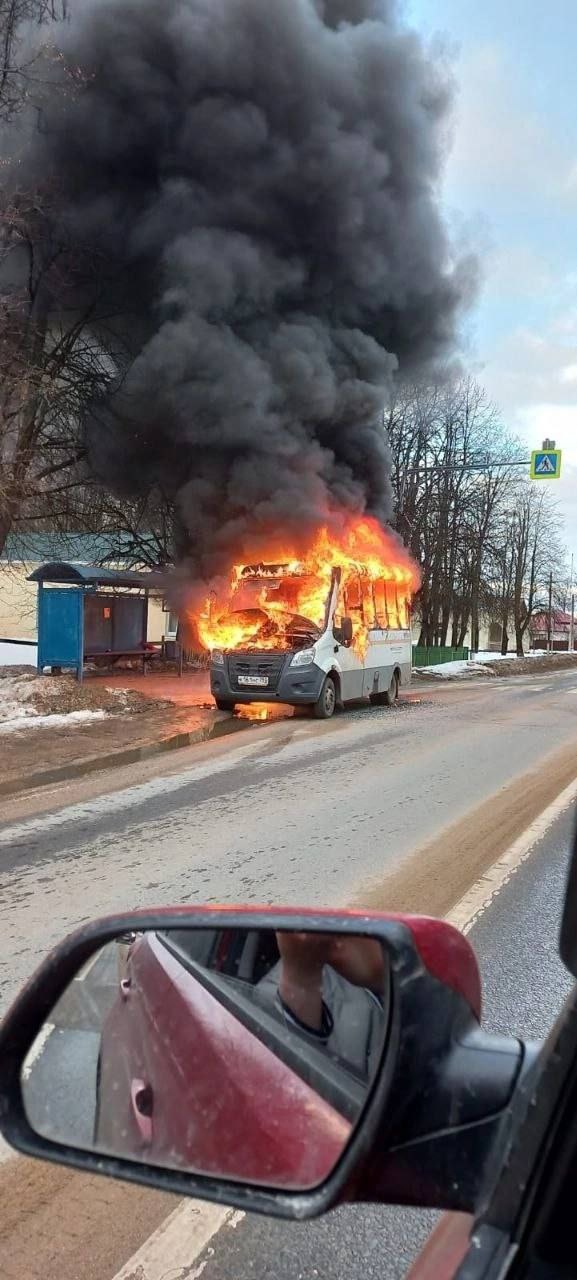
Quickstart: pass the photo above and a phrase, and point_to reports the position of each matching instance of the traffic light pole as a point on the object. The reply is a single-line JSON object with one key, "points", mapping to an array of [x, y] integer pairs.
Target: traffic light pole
{"points": [[550, 621]]}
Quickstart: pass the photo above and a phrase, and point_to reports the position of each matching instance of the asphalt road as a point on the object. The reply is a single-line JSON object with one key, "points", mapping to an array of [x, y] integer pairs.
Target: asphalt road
{"points": [[524, 985], [60, 1072], [401, 808], [297, 812]]}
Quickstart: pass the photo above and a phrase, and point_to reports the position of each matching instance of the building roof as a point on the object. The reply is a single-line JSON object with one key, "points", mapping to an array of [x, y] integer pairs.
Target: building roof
{"points": [[560, 620], [88, 575]]}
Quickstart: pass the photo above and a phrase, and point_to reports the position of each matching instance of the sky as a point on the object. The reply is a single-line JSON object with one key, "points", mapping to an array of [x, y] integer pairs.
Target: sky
{"points": [[511, 189]]}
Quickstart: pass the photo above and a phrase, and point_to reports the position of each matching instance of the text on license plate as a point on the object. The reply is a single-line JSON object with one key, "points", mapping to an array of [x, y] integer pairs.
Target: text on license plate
{"points": [[253, 680]]}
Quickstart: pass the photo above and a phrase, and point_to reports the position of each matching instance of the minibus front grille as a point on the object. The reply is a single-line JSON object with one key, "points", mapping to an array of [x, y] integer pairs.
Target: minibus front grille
{"points": [[265, 666]]}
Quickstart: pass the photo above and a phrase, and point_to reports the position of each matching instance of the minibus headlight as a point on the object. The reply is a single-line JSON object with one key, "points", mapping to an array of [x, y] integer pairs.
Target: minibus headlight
{"points": [[303, 658], [217, 657]]}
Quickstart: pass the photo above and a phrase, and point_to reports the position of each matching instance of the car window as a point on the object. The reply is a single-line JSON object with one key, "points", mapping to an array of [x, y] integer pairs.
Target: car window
{"points": [[240, 968]]}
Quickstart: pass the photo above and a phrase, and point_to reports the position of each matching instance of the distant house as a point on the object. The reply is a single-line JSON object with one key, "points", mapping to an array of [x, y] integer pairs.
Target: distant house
{"points": [[23, 553], [560, 630]]}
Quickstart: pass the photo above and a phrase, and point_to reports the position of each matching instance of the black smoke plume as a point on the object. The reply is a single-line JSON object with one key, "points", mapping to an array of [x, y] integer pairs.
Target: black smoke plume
{"points": [[257, 184]]}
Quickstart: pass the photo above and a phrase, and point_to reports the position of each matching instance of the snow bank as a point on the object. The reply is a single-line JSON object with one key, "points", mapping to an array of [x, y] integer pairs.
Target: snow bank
{"points": [[462, 667], [23, 705], [485, 655], [14, 694], [477, 664], [28, 719], [448, 670]]}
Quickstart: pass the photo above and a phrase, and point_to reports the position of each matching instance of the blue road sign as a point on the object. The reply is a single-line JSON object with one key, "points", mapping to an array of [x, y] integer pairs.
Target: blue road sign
{"points": [[546, 464]]}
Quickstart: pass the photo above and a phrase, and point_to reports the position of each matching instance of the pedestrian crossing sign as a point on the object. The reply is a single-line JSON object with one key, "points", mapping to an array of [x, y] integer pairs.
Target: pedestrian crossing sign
{"points": [[546, 464]]}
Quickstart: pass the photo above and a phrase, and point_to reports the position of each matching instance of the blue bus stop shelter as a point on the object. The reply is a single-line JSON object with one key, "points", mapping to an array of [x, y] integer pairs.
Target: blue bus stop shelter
{"points": [[87, 613]]}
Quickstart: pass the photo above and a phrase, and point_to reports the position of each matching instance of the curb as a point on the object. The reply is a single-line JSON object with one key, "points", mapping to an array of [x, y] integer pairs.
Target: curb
{"points": [[130, 755]]}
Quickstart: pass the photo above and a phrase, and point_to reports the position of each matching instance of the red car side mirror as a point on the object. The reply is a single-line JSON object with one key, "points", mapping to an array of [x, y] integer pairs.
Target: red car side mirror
{"points": [[279, 1061]]}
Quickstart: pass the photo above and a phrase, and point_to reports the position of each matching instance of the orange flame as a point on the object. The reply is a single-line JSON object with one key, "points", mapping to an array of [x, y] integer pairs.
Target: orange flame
{"points": [[282, 602]]}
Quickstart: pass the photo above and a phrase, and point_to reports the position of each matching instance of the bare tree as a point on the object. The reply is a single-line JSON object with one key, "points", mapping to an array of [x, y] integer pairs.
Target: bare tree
{"points": [[51, 360], [537, 557], [21, 52], [485, 538], [56, 359], [525, 553], [448, 446]]}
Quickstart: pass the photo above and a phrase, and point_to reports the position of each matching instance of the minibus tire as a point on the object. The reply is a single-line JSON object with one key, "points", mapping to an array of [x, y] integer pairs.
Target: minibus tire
{"points": [[325, 705], [389, 696], [224, 704]]}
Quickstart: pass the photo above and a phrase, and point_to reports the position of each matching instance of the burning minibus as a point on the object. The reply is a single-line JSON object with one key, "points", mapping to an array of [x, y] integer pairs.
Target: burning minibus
{"points": [[329, 626]]}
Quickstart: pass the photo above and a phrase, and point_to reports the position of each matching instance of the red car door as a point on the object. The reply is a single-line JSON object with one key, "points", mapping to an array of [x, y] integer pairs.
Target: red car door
{"points": [[183, 1083]]}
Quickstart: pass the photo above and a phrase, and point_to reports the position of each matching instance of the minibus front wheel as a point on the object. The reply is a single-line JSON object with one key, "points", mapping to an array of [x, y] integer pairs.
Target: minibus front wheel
{"points": [[326, 702]]}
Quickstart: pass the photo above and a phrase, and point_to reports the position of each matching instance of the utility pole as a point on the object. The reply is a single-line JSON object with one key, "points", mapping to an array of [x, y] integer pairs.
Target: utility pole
{"points": [[550, 622], [572, 622]]}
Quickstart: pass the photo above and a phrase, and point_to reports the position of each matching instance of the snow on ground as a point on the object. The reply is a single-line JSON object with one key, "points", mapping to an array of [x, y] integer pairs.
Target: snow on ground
{"points": [[476, 666], [30, 720], [452, 669], [463, 667], [19, 696], [485, 655], [14, 694], [18, 655], [28, 701]]}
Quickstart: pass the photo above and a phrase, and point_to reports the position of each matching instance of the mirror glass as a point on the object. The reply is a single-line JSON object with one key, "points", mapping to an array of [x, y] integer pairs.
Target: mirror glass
{"points": [[245, 1054]]}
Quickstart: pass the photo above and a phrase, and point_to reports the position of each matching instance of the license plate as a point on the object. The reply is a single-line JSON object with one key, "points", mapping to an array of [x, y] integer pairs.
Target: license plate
{"points": [[253, 680]]}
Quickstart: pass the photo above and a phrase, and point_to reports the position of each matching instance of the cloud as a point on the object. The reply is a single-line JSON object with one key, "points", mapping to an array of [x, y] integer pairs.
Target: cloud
{"points": [[556, 422], [531, 373], [500, 142]]}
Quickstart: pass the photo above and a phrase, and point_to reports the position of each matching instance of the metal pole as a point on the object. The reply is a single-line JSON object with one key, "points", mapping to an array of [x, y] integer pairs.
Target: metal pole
{"points": [[572, 622], [549, 627]]}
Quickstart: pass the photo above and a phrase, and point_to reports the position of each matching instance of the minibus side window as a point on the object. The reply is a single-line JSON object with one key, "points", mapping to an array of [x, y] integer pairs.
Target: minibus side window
{"points": [[340, 608], [392, 605], [353, 599], [369, 617], [403, 605], [381, 611]]}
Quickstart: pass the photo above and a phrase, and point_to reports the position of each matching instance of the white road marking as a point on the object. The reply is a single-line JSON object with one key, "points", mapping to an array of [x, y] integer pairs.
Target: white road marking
{"points": [[6, 1152], [174, 1247], [480, 895], [87, 968], [37, 1048]]}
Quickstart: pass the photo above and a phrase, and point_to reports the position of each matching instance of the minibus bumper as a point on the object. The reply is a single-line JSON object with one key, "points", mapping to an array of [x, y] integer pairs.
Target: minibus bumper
{"points": [[295, 686]]}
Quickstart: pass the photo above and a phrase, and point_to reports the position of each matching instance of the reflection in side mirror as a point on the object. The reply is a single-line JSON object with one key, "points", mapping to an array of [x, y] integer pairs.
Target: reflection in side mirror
{"points": [[244, 1054]]}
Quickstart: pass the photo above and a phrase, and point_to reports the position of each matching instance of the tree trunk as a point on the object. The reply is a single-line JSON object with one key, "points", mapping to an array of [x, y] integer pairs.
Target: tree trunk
{"points": [[462, 634], [6, 523], [475, 623], [444, 626]]}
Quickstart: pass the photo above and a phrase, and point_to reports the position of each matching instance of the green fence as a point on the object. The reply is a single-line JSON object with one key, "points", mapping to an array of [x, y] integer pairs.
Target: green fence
{"points": [[431, 657]]}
